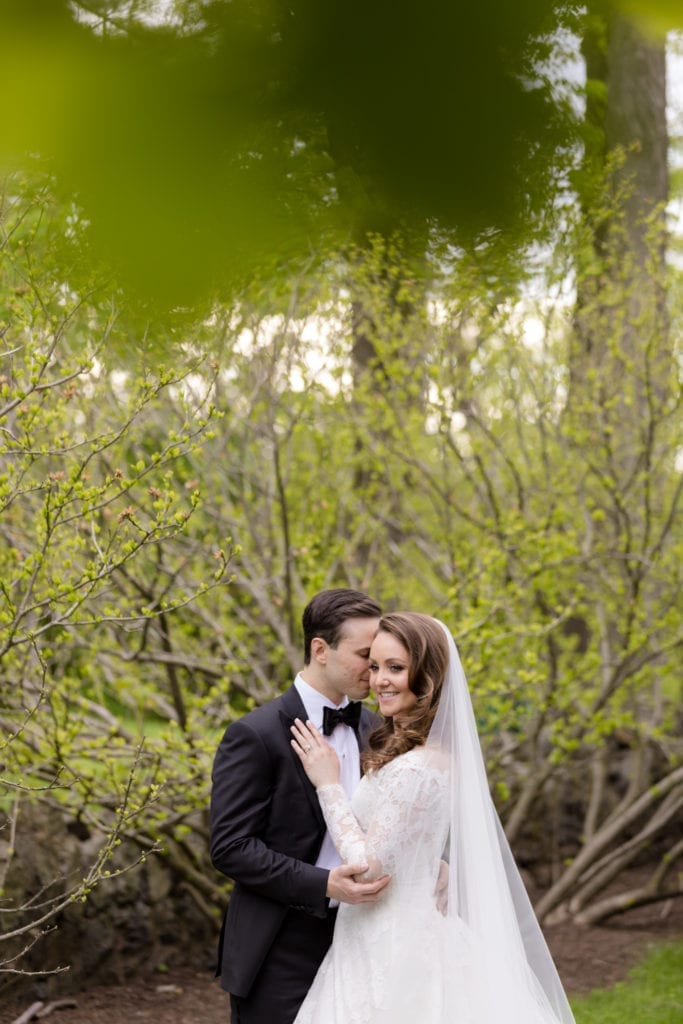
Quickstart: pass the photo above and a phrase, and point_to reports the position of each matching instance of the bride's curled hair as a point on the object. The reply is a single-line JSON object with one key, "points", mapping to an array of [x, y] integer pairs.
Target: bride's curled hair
{"points": [[427, 647]]}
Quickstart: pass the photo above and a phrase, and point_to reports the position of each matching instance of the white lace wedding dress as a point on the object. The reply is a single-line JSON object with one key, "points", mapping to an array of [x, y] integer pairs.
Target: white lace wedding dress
{"points": [[398, 960]]}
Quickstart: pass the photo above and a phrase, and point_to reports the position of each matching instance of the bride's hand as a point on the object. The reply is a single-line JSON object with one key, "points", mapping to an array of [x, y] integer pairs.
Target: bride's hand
{"points": [[320, 761]]}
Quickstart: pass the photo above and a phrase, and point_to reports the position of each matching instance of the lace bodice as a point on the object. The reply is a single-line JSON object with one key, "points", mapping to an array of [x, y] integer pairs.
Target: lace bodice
{"points": [[396, 823]]}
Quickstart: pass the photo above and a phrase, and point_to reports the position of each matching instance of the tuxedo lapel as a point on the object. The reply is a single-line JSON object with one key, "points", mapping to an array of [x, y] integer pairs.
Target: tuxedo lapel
{"points": [[292, 707]]}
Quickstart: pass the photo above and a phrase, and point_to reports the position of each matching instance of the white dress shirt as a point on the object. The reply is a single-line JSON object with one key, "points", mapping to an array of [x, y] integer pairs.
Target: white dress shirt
{"points": [[343, 740]]}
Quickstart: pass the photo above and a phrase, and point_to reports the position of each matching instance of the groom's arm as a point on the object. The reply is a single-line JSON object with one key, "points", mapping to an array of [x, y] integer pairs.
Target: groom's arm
{"points": [[242, 813]]}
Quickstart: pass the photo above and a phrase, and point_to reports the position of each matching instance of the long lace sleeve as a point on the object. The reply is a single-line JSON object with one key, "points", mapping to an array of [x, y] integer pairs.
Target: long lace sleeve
{"points": [[405, 819], [347, 835]]}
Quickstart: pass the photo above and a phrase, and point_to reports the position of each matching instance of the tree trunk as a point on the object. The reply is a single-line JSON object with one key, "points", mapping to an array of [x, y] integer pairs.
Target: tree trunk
{"points": [[621, 324]]}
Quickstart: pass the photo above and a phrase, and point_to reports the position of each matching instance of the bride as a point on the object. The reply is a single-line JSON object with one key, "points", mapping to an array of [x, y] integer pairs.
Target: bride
{"points": [[422, 810]]}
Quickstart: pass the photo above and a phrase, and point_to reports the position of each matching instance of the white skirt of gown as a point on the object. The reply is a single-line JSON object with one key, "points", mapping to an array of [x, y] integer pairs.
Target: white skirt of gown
{"points": [[398, 961]]}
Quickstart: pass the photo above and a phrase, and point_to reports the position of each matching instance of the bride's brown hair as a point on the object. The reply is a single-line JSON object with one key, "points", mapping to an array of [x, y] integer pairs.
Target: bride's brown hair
{"points": [[427, 647]]}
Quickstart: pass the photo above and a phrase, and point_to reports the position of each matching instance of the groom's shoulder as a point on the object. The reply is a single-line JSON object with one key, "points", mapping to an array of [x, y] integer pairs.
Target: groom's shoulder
{"points": [[370, 718], [370, 715], [262, 717]]}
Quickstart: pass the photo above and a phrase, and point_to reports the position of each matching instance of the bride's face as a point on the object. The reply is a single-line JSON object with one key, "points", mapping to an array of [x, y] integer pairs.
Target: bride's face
{"points": [[389, 673]]}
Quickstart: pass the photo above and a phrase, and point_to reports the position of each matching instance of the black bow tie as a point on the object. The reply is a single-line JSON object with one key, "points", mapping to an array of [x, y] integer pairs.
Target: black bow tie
{"points": [[350, 715]]}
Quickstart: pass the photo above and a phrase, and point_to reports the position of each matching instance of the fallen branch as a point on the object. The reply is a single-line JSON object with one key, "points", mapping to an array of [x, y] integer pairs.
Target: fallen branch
{"points": [[596, 847], [56, 1004], [651, 892], [603, 871], [39, 1010], [29, 1014]]}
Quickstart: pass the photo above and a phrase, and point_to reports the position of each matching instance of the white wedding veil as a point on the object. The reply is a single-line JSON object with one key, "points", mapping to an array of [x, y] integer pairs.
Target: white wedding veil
{"points": [[517, 982]]}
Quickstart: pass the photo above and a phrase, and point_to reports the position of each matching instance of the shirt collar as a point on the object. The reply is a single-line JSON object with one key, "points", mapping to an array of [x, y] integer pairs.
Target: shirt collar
{"points": [[314, 701]]}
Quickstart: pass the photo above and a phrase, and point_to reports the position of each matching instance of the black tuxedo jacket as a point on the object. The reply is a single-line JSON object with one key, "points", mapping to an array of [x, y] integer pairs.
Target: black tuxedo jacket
{"points": [[266, 832]]}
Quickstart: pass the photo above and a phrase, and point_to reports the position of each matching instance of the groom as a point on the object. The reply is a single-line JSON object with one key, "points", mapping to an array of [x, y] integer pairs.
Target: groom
{"points": [[267, 831]]}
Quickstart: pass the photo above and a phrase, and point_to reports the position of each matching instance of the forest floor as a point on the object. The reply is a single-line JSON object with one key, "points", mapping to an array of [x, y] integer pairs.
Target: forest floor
{"points": [[587, 958]]}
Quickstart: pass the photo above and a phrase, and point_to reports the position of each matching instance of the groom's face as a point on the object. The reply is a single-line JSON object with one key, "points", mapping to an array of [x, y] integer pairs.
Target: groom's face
{"points": [[346, 669]]}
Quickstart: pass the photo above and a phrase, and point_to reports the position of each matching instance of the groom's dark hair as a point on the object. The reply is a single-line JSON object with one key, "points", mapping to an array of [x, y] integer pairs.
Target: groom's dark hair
{"points": [[327, 612]]}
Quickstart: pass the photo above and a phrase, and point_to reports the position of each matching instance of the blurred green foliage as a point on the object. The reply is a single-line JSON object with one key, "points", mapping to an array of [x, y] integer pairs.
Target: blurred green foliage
{"points": [[251, 133], [228, 137]]}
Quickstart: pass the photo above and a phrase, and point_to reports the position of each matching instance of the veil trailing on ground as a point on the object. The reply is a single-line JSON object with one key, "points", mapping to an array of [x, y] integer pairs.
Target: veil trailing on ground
{"points": [[517, 980]]}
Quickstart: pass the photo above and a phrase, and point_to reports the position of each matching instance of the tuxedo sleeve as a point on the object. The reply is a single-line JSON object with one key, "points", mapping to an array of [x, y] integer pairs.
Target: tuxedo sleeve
{"points": [[249, 834]]}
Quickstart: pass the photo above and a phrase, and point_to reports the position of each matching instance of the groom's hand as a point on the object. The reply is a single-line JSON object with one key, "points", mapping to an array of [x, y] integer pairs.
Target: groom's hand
{"points": [[342, 886]]}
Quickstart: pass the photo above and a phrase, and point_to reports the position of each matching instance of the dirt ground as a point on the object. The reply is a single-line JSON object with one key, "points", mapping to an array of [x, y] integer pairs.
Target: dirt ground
{"points": [[586, 958]]}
